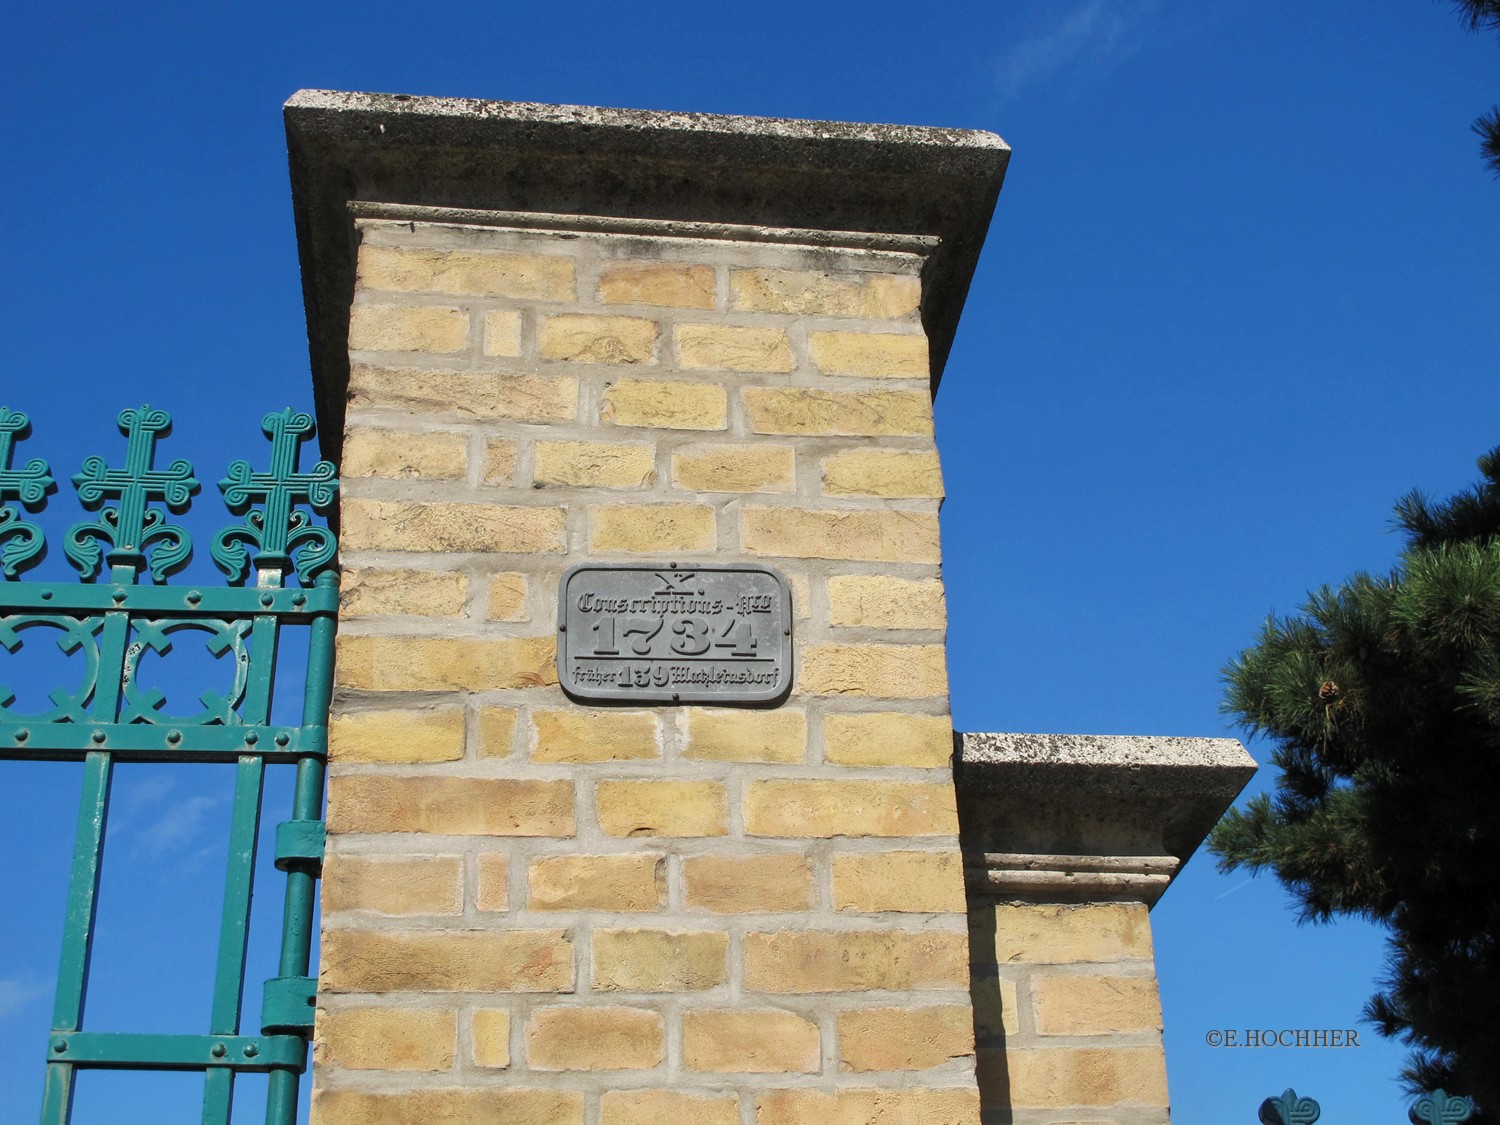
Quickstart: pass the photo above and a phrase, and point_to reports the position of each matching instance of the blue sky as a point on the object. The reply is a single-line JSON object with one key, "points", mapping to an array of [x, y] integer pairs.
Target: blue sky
{"points": [[1239, 294]]}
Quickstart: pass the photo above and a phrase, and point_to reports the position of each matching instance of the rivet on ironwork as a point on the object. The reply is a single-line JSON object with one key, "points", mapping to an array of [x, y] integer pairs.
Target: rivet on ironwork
{"points": [[194, 597], [283, 738], [251, 1050], [21, 543], [99, 736], [118, 594], [266, 599], [174, 737], [46, 595], [132, 529], [59, 1045], [251, 738], [218, 1050], [299, 599], [22, 735], [279, 532]]}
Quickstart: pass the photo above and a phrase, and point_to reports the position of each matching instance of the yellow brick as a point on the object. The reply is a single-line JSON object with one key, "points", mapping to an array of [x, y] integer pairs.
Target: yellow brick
{"points": [[865, 536], [876, 601], [889, 473], [576, 735], [518, 398], [734, 468], [778, 807], [502, 333], [802, 961], [927, 882], [1060, 935], [888, 738], [871, 355], [499, 461], [886, 671], [595, 1038], [389, 1038], [662, 808], [407, 525], [748, 884], [397, 885], [598, 882], [653, 1107], [658, 960], [497, 728], [446, 961], [1094, 1005], [583, 338], [493, 891], [672, 284], [513, 1105], [905, 1038], [650, 529], [997, 1009], [908, 1106], [373, 592], [450, 806], [755, 1042], [728, 735], [668, 406], [507, 600], [397, 736], [402, 328], [490, 1032], [531, 277], [1063, 1077], [595, 464], [727, 347], [402, 455], [400, 663], [802, 410], [816, 293]]}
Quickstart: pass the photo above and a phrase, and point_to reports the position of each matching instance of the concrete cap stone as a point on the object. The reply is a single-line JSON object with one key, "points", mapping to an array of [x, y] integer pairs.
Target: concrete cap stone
{"points": [[624, 164], [1061, 795]]}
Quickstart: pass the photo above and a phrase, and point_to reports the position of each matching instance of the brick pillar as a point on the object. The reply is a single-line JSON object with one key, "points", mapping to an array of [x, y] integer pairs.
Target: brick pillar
{"points": [[538, 909], [1068, 841]]}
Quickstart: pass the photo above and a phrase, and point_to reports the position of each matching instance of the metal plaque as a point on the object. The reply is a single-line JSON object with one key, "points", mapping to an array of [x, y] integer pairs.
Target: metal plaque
{"points": [[669, 633]]}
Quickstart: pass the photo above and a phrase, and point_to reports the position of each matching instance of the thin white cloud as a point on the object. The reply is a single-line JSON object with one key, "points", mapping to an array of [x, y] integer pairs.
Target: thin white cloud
{"points": [[174, 826], [1095, 35], [18, 992]]}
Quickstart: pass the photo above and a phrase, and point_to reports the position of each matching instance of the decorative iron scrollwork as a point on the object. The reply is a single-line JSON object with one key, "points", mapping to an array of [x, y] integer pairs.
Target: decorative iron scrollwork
{"points": [[134, 531], [21, 542], [277, 530]]}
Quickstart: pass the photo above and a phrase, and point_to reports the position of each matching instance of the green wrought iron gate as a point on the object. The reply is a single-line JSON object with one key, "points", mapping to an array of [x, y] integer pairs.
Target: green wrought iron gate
{"points": [[122, 608]]}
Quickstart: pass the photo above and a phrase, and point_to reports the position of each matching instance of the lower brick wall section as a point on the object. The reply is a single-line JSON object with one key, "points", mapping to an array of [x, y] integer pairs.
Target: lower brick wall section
{"points": [[1067, 1019]]}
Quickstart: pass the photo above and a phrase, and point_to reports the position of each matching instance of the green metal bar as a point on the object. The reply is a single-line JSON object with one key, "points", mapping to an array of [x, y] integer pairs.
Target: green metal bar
{"points": [[234, 929], [158, 742], [110, 1050], [307, 804], [78, 929], [71, 599]]}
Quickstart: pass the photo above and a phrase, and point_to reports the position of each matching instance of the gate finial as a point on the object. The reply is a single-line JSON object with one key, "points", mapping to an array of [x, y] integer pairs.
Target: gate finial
{"points": [[133, 529], [21, 542], [277, 529]]}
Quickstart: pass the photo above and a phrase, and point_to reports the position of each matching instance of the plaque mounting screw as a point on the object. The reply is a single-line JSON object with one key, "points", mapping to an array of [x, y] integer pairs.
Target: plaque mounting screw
{"points": [[562, 628]]}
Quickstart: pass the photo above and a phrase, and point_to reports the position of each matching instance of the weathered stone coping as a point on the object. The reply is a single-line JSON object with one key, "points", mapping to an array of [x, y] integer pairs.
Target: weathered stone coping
{"points": [[1073, 818], [625, 164]]}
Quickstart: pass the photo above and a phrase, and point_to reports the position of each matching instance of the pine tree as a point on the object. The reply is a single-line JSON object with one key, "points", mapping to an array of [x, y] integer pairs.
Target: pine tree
{"points": [[1382, 701], [1481, 15]]}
